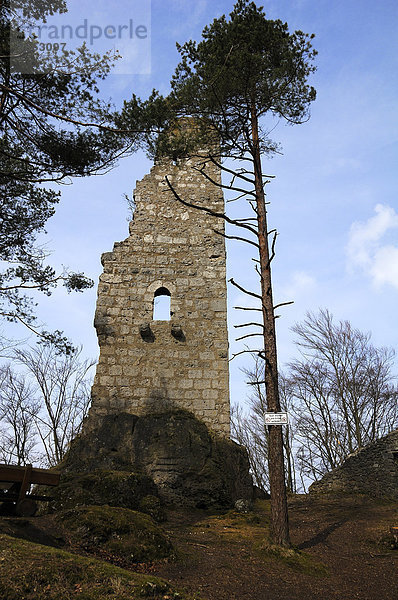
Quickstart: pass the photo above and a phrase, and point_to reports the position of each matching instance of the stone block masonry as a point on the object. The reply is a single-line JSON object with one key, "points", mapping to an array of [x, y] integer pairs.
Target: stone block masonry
{"points": [[373, 470], [147, 365]]}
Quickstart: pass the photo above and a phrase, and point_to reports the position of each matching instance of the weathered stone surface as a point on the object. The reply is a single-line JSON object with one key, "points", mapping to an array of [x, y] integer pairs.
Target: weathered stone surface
{"points": [[373, 471], [188, 464], [148, 365], [108, 447], [102, 487]]}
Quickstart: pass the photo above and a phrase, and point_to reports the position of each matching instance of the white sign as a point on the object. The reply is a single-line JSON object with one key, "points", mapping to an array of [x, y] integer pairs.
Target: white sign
{"points": [[280, 418]]}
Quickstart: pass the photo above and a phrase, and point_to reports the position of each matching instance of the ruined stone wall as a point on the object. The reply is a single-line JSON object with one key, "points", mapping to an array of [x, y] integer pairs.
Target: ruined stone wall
{"points": [[373, 471], [146, 365]]}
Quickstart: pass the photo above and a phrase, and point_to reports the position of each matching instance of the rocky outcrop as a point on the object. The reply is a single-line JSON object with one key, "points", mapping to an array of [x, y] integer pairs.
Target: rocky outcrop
{"points": [[188, 464], [373, 470], [101, 487]]}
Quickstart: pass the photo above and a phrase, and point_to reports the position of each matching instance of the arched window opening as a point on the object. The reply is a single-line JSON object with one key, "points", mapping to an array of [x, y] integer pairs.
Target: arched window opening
{"points": [[161, 305]]}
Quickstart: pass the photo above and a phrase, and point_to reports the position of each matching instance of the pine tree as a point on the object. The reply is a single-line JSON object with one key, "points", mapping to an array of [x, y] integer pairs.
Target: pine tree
{"points": [[245, 70], [53, 126]]}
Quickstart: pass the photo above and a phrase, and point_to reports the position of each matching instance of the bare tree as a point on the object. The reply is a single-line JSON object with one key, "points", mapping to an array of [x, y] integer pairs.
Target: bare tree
{"points": [[340, 396], [251, 433], [345, 395], [18, 409], [62, 387]]}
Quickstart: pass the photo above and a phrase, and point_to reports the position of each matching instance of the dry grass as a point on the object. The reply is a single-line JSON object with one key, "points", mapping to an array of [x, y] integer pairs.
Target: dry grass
{"points": [[33, 572]]}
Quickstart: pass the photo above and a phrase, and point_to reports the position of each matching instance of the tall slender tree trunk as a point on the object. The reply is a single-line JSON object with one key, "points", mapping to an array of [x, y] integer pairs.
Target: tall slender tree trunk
{"points": [[279, 514]]}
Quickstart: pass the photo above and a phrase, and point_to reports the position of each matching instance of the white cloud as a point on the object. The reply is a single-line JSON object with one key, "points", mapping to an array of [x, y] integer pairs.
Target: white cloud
{"points": [[300, 284], [385, 266], [366, 251]]}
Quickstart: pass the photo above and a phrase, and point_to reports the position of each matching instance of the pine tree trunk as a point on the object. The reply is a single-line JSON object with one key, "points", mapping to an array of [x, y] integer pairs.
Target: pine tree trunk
{"points": [[279, 514]]}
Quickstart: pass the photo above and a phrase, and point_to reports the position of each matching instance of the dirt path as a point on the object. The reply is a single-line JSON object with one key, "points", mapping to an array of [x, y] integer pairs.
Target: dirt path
{"points": [[344, 552], [224, 558]]}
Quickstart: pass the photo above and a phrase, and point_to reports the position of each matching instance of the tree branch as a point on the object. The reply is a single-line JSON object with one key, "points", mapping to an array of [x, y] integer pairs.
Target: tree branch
{"points": [[235, 237], [207, 210], [242, 289], [249, 324], [25, 100], [246, 308], [248, 351], [221, 185], [247, 336], [283, 304]]}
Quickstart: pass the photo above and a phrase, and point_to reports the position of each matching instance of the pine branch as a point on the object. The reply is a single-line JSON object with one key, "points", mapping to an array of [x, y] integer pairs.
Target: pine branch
{"points": [[283, 304], [242, 289], [223, 186], [249, 325], [207, 210], [235, 237], [248, 351], [49, 113], [247, 336]]}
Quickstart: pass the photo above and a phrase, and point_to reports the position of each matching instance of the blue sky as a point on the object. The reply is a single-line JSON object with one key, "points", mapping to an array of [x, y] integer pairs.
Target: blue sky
{"points": [[334, 196]]}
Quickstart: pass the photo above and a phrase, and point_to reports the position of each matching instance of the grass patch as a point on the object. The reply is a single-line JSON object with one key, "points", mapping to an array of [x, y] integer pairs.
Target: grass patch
{"points": [[253, 529], [292, 557], [117, 532], [33, 572], [237, 524]]}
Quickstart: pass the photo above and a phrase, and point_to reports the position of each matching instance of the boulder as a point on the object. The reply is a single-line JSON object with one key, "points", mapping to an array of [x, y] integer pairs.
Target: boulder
{"points": [[103, 487]]}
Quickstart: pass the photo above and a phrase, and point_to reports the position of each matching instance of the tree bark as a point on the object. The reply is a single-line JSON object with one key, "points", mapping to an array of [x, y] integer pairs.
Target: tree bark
{"points": [[279, 513]]}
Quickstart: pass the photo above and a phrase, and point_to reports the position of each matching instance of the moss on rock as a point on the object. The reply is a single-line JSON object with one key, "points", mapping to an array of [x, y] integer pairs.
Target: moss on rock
{"points": [[100, 487], [151, 505], [119, 532], [33, 572]]}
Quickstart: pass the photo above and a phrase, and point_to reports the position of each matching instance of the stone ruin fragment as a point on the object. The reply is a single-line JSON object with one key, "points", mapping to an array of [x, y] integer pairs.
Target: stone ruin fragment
{"points": [[160, 399]]}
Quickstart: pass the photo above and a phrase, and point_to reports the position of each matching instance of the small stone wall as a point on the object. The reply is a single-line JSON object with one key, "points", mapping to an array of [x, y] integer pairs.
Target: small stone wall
{"points": [[373, 471]]}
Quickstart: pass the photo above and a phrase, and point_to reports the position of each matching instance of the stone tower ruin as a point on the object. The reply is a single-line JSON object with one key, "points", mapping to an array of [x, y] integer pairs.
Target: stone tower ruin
{"points": [[150, 363]]}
